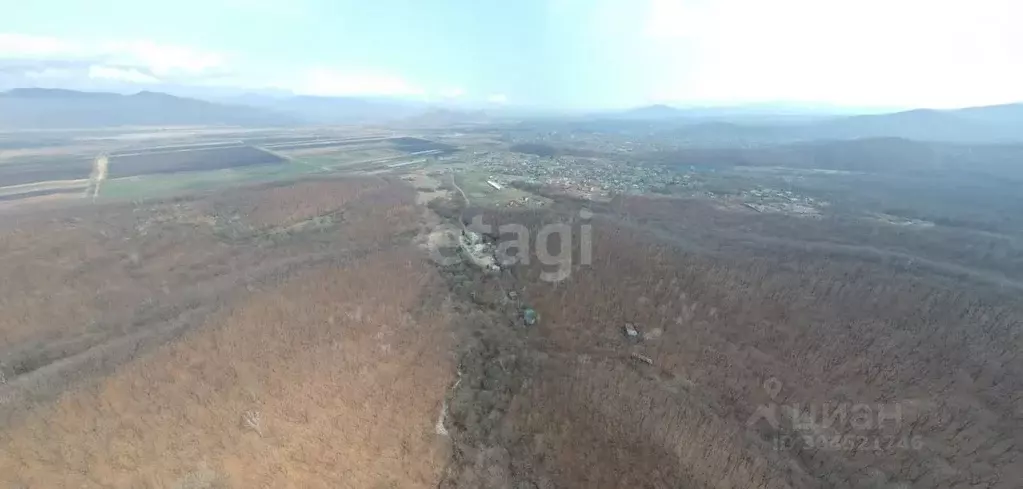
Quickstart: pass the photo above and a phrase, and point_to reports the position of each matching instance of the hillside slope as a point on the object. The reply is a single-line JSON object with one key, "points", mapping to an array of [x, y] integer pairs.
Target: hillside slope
{"points": [[32, 108]]}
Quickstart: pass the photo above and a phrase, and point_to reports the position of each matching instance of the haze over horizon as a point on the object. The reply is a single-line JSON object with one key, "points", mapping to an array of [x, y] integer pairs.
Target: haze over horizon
{"points": [[545, 53]]}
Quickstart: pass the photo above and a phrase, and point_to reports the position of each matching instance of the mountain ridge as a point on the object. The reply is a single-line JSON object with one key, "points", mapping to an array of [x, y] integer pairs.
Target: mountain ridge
{"points": [[50, 108], [54, 108]]}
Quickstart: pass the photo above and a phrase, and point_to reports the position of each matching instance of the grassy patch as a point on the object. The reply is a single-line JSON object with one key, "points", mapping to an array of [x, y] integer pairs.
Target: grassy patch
{"points": [[474, 184], [153, 186], [340, 159]]}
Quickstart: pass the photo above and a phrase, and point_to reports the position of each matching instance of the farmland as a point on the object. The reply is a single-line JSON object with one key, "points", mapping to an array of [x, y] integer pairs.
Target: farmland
{"points": [[203, 159], [171, 162], [33, 172]]}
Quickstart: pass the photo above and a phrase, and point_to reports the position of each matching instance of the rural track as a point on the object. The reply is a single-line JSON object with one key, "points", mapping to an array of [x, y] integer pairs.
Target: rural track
{"points": [[461, 213]]}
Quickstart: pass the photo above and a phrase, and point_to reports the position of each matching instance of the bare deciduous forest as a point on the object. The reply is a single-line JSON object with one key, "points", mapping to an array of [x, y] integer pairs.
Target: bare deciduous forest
{"points": [[297, 335], [936, 362]]}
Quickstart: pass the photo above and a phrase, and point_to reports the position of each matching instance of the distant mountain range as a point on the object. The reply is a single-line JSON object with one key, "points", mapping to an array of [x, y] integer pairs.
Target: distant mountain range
{"points": [[37, 108], [999, 123], [34, 108]]}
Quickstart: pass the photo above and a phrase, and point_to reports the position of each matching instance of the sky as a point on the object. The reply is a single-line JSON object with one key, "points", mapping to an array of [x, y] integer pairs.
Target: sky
{"points": [[550, 53]]}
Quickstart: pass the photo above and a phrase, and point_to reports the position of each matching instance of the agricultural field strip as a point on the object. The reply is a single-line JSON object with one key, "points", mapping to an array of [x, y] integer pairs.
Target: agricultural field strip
{"points": [[213, 149], [198, 160], [42, 192], [300, 144], [209, 145], [184, 150], [406, 163], [372, 163], [293, 159], [45, 185], [238, 144]]}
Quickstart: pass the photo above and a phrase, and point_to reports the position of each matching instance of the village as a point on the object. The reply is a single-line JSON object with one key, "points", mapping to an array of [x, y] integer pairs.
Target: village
{"points": [[600, 179]]}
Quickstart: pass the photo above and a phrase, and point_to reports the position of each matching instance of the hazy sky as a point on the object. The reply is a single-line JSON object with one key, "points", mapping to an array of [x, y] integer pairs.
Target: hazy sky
{"points": [[566, 53]]}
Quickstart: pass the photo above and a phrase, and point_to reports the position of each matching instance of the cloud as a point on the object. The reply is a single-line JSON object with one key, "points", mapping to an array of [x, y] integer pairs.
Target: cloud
{"points": [[168, 60], [498, 98], [910, 52], [53, 61], [159, 60], [328, 82], [130, 75], [49, 73]]}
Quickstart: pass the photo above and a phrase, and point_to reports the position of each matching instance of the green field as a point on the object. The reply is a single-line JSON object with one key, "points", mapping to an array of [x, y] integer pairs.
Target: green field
{"points": [[341, 159], [164, 185], [474, 184]]}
